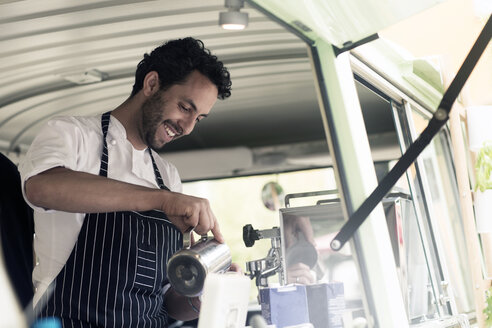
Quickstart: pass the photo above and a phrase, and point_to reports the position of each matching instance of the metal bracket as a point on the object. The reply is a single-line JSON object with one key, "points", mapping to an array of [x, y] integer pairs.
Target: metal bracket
{"points": [[349, 45]]}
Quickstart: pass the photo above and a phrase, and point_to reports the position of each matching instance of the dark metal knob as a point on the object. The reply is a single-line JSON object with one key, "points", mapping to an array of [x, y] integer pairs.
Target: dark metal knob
{"points": [[250, 235]]}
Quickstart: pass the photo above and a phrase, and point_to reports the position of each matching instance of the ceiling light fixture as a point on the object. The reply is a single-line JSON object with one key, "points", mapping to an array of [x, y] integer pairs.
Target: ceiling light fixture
{"points": [[88, 77], [233, 19]]}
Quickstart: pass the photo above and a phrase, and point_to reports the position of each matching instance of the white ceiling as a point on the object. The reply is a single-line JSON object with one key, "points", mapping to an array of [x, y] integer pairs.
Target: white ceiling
{"points": [[42, 43]]}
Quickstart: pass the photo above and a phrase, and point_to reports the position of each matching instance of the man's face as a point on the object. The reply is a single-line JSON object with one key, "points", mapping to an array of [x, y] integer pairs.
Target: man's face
{"points": [[168, 115]]}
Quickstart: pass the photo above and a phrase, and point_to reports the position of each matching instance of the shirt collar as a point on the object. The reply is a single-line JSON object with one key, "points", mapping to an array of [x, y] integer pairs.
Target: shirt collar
{"points": [[117, 129]]}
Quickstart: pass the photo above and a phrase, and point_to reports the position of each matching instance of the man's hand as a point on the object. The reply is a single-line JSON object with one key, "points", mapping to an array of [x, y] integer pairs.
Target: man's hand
{"points": [[186, 211], [235, 268]]}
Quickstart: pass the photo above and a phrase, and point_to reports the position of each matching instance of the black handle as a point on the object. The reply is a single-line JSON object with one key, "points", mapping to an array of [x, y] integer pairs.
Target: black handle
{"points": [[250, 235]]}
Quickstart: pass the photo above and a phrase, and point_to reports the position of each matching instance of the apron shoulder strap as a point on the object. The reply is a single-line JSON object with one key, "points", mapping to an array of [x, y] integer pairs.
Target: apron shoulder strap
{"points": [[103, 170], [158, 177]]}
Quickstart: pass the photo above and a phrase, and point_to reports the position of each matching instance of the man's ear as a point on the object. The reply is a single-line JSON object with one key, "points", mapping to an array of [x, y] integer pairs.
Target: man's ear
{"points": [[150, 83]]}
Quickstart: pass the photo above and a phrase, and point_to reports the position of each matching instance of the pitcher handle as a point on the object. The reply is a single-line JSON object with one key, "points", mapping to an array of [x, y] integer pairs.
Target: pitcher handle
{"points": [[187, 237]]}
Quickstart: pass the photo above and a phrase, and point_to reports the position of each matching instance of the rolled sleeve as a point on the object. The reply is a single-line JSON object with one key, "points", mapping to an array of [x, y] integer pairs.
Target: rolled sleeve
{"points": [[55, 146]]}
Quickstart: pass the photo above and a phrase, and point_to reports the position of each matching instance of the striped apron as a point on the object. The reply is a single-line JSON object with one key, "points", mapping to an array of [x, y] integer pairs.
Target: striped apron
{"points": [[116, 273]]}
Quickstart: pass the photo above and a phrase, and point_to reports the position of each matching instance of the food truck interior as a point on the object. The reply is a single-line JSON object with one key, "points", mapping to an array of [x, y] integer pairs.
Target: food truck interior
{"points": [[268, 156]]}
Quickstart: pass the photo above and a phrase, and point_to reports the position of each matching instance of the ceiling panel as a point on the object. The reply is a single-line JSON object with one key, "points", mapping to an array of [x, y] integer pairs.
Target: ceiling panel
{"points": [[44, 43]]}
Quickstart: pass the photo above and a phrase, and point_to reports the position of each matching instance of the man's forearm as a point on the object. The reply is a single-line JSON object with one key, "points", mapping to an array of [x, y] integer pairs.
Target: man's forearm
{"points": [[79, 192]]}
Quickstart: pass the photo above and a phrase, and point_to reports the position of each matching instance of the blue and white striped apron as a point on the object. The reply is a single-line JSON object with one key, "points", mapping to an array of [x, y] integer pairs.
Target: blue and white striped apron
{"points": [[116, 273]]}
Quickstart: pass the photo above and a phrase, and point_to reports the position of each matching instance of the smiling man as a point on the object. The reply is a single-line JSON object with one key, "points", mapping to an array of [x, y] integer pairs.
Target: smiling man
{"points": [[109, 211]]}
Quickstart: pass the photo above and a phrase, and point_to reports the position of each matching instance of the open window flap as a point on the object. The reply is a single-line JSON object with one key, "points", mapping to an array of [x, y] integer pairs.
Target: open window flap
{"points": [[439, 119], [342, 22]]}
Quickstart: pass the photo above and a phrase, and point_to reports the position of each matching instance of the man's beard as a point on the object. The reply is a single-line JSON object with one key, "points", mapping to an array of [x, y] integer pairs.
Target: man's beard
{"points": [[151, 120]]}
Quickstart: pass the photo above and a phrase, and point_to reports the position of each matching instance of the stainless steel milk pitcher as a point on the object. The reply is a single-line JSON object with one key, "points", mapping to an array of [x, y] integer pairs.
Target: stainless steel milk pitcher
{"points": [[187, 268]]}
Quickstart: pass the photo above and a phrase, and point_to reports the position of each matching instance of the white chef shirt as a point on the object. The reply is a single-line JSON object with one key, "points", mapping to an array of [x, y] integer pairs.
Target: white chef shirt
{"points": [[76, 143]]}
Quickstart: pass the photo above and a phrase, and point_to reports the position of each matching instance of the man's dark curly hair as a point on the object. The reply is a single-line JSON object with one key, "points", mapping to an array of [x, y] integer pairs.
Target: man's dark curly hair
{"points": [[176, 59]]}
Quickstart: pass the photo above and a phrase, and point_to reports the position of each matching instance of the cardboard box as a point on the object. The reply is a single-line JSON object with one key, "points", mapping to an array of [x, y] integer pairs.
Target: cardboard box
{"points": [[326, 304], [322, 305], [284, 306]]}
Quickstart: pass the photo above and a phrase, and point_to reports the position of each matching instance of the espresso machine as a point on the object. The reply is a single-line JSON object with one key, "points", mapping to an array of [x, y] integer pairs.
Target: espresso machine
{"points": [[266, 267]]}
